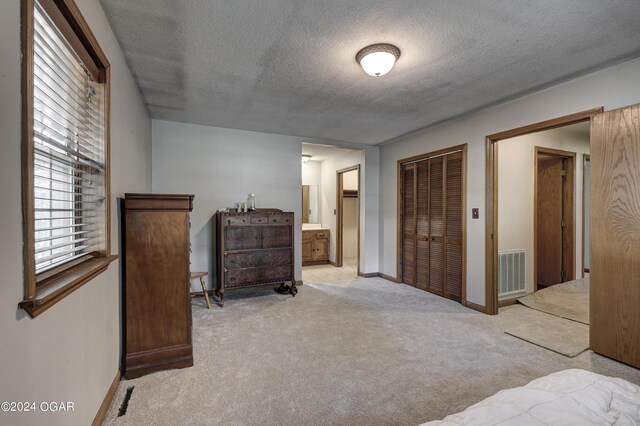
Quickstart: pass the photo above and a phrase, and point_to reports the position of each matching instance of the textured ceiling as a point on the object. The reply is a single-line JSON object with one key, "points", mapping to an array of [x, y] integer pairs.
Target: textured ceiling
{"points": [[288, 67]]}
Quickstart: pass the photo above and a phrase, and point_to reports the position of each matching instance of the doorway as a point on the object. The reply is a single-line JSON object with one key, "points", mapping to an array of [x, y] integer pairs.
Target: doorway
{"points": [[493, 226], [554, 222], [348, 217], [332, 203]]}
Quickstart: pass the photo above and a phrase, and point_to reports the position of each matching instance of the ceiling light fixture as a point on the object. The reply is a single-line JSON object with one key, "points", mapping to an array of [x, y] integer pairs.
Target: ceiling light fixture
{"points": [[306, 158], [378, 59]]}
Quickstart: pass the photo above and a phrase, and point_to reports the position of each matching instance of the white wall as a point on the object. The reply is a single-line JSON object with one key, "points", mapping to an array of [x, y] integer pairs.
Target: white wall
{"points": [[350, 217], [516, 174], [612, 88], [221, 166], [350, 228], [311, 173], [70, 352], [369, 195], [350, 180]]}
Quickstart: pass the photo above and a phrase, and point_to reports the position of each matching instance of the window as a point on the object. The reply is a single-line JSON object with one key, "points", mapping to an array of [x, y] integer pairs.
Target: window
{"points": [[65, 149]]}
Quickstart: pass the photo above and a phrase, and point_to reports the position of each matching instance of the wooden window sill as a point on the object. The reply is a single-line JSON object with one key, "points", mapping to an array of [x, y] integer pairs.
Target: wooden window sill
{"points": [[62, 285]]}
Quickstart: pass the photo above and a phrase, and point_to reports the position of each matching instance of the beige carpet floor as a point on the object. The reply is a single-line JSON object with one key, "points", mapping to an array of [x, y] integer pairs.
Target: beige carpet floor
{"points": [[344, 352], [567, 300], [566, 337]]}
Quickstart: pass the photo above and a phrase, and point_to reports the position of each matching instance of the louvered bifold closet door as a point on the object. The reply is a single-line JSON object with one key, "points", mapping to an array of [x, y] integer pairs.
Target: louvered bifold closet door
{"points": [[436, 225], [453, 226], [409, 224], [422, 224]]}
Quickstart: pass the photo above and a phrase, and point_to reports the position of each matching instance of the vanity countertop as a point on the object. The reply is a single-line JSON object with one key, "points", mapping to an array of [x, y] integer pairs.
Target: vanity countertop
{"points": [[313, 227]]}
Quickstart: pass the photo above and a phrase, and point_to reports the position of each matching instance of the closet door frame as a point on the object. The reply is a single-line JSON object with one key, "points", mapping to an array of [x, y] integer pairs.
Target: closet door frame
{"points": [[400, 184], [339, 237], [586, 158], [491, 202]]}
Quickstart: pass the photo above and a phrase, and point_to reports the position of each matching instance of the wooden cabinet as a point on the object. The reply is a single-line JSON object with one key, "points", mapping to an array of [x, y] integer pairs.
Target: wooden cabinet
{"points": [[254, 249], [315, 247], [157, 303]]}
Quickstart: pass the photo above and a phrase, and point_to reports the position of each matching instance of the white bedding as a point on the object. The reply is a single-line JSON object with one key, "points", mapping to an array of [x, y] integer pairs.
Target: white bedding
{"points": [[569, 397]]}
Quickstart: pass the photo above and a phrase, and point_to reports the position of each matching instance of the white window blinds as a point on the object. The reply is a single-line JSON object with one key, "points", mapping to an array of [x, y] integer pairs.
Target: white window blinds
{"points": [[69, 153]]}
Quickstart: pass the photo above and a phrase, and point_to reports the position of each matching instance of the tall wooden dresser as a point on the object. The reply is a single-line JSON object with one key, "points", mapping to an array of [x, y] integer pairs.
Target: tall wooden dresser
{"points": [[254, 249], [157, 303]]}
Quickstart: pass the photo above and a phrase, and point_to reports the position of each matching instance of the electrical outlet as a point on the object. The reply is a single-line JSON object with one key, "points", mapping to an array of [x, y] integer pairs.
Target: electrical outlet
{"points": [[475, 213]]}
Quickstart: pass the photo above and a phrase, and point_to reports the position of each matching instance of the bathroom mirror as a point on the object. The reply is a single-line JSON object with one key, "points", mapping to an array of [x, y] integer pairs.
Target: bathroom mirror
{"points": [[310, 204]]}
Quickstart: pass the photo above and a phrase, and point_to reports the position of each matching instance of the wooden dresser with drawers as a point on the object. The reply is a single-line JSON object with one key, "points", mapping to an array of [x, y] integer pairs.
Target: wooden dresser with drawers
{"points": [[254, 249]]}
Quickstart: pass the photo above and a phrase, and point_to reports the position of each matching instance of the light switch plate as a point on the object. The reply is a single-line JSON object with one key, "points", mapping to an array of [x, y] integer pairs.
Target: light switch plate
{"points": [[475, 213]]}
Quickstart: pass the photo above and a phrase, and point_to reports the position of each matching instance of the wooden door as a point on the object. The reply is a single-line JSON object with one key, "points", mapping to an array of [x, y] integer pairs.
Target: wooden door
{"points": [[422, 225], [549, 220], [307, 247], [321, 249], [555, 217], [436, 225], [432, 224], [409, 224], [454, 227], [615, 235]]}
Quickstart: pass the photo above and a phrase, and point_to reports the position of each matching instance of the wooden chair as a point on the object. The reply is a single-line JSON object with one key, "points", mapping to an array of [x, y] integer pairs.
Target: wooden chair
{"points": [[201, 275]]}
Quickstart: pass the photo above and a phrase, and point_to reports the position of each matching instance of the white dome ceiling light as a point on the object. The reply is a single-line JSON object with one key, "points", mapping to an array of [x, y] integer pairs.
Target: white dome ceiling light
{"points": [[378, 59]]}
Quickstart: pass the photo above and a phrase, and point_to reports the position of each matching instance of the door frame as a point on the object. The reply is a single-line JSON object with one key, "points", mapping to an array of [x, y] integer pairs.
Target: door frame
{"points": [[491, 201], [586, 158], [305, 208], [399, 180], [565, 155], [340, 214]]}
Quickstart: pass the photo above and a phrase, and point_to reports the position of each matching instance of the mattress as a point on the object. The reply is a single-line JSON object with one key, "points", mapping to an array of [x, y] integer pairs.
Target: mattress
{"points": [[569, 397]]}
